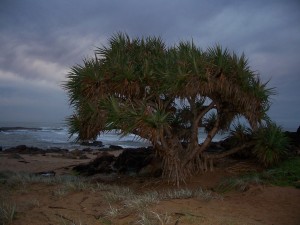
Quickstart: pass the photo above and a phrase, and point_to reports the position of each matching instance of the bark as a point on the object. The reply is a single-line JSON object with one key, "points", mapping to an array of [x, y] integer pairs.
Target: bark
{"points": [[204, 145], [229, 152], [211, 157]]}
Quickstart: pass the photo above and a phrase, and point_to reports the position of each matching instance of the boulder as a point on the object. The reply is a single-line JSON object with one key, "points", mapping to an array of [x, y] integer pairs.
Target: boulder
{"points": [[56, 150], [133, 160], [141, 161], [23, 149], [87, 150], [102, 164], [294, 138], [115, 147], [153, 168]]}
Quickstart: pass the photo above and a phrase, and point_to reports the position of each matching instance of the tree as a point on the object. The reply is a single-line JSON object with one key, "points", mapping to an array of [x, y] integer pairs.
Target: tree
{"points": [[165, 94], [270, 144]]}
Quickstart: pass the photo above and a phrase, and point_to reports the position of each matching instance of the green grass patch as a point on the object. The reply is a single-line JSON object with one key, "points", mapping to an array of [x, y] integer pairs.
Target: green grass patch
{"points": [[285, 174]]}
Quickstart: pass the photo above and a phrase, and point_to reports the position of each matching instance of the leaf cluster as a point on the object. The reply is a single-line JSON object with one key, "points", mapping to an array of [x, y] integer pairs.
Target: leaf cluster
{"points": [[141, 86]]}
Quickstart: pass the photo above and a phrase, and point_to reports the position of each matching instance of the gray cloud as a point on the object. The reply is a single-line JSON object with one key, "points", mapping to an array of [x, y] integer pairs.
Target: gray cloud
{"points": [[40, 40]]}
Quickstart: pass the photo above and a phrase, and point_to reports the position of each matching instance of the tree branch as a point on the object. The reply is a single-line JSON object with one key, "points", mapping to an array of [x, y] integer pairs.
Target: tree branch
{"points": [[206, 142], [195, 125], [229, 152]]}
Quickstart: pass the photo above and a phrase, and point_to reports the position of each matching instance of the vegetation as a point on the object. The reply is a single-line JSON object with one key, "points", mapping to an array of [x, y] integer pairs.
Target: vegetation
{"points": [[286, 173], [165, 94], [270, 144], [120, 201], [240, 183], [7, 212]]}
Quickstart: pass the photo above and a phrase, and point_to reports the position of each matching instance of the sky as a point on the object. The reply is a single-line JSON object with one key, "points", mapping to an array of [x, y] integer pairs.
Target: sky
{"points": [[40, 40]]}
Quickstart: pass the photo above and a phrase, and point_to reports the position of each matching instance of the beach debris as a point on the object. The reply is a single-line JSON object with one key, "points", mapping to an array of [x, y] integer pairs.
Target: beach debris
{"points": [[92, 143], [46, 173]]}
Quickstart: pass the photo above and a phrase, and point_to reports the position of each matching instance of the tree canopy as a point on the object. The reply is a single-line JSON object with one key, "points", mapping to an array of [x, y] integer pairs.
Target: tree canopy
{"points": [[165, 94]]}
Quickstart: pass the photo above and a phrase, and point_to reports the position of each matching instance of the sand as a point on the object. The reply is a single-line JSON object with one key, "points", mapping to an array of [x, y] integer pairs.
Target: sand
{"points": [[43, 203]]}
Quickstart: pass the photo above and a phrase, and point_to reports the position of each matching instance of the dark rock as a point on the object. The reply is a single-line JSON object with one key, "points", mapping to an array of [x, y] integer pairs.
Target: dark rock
{"points": [[23, 149], [87, 150], [23, 161], [1, 148], [298, 131], [102, 164], [140, 161], [5, 129], [152, 169], [83, 157], [294, 138], [115, 147], [56, 150], [15, 156], [76, 152], [133, 160]]}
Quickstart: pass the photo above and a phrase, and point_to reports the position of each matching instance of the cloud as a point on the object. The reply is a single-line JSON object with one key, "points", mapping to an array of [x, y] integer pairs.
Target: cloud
{"points": [[41, 40]]}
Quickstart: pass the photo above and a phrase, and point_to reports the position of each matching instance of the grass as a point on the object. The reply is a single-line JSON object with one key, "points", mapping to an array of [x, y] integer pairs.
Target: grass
{"points": [[105, 221], [118, 193], [140, 204], [60, 192], [188, 193], [113, 212], [122, 200], [154, 218], [285, 174], [240, 183], [7, 212], [68, 222]]}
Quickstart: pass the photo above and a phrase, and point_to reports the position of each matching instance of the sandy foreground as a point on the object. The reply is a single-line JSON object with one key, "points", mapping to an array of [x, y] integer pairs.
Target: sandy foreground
{"points": [[117, 200]]}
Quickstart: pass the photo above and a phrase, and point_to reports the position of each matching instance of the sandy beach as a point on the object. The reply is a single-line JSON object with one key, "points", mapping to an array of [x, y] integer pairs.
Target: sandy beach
{"points": [[122, 199]]}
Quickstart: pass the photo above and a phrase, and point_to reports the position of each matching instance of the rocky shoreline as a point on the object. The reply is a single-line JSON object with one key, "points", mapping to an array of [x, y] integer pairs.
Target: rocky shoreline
{"points": [[139, 161]]}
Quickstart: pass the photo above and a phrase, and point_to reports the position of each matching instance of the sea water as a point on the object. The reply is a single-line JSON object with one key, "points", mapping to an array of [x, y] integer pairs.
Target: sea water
{"points": [[49, 135]]}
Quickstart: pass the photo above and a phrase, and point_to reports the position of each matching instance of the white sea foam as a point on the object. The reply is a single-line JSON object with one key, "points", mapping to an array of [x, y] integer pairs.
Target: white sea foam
{"points": [[56, 135]]}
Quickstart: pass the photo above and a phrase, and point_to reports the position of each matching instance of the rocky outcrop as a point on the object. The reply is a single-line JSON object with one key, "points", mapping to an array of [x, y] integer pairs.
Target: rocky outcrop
{"points": [[102, 164], [115, 147], [294, 138], [141, 161], [23, 149], [133, 160]]}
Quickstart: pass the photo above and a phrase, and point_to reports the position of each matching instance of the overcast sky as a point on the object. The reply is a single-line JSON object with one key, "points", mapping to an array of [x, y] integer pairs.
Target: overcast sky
{"points": [[41, 39]]}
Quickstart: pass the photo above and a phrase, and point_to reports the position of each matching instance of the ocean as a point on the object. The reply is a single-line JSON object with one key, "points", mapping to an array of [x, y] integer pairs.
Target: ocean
{"points": [[49, 135]]}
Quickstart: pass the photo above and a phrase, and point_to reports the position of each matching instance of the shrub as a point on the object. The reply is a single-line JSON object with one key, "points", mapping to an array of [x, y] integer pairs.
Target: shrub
{"points": [[270, 144]]}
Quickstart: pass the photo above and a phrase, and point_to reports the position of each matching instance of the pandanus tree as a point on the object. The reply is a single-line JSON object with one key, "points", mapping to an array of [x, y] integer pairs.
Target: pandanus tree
{"points": [[165, 94]]}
